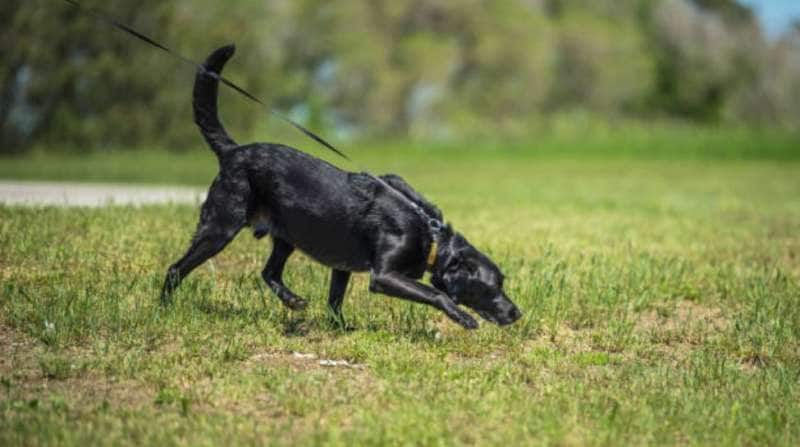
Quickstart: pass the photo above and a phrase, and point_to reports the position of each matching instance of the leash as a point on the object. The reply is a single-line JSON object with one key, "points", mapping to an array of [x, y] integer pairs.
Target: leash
{"points": [[127, 29], [435, 226]]}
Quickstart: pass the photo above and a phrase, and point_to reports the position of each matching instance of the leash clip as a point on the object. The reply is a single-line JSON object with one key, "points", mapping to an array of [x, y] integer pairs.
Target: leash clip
{"points": [[435, 226]]}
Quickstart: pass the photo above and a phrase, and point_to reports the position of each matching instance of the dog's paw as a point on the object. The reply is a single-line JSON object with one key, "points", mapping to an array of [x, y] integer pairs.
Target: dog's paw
{"points": [[467, 321], [295, 303], [338, 322], [459, 316], [470, 324], [165, 300], [341, 325]]}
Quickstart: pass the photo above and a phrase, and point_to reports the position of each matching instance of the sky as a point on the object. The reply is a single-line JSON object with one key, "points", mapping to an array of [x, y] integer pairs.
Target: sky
{"points": [[776, 15]]}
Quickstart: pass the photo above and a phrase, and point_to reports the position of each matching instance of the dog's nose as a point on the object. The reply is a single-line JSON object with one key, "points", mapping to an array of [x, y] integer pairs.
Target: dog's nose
{"points": [[509, 314], [514, 315]]}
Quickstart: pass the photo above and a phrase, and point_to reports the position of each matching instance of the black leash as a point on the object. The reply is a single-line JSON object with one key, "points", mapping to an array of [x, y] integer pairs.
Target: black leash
{"points": [[434, 225], [123, 27]]}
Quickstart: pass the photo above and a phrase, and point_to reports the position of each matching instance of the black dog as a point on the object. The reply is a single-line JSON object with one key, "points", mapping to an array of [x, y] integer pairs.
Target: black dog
{"points": [[347, 221]]}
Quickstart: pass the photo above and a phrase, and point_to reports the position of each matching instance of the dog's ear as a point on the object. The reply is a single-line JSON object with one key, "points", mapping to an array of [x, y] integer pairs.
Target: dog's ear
{"points": [[460, 264], [453, 263], [447, 230], [454, 275], [444, 278]]}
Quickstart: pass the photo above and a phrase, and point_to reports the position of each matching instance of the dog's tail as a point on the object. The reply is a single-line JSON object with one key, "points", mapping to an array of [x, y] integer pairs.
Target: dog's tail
{"points": [[204, 101]]}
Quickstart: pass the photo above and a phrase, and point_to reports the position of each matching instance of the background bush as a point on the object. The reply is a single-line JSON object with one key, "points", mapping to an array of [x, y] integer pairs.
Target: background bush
{"points": [[420, 68]]}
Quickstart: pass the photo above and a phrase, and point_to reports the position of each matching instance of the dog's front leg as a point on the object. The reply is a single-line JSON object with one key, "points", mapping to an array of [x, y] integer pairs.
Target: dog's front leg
{"points": [[397, 285], [339, 280]]}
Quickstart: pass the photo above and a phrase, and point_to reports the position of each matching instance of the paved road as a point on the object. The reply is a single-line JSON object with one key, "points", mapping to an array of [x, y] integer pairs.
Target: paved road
{"points": [[93, 194]]}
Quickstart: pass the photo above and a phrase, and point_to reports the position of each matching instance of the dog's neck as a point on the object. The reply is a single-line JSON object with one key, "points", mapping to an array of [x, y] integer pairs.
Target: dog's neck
{"points": [[440, 253]]}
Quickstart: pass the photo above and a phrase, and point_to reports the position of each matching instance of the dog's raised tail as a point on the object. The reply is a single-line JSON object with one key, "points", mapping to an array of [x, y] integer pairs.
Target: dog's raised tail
{"points": [[204, 101]]}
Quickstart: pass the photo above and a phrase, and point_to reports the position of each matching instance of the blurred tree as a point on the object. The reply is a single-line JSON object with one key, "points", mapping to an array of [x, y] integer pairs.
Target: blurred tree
{"points": [[729, 10], [702, 58], [774, 97], [63, 79], [506, 65], [603, 65], [10, 73], [427, 68]]}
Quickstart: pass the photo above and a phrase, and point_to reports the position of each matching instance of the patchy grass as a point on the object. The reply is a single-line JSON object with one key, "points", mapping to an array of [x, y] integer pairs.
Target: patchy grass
{"points": [[661, 300]]}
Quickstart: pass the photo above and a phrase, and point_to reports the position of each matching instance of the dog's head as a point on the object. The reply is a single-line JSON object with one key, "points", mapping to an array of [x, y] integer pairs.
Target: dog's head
{"points": [[470, 278]]}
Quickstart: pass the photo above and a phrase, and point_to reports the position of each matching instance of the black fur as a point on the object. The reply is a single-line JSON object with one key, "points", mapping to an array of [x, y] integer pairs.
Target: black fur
{"points": [[348, 221]]}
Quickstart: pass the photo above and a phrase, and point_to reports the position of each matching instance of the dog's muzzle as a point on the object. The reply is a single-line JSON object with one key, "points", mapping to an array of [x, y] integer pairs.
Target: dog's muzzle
{"points": [[510, 314], [503, 312]]}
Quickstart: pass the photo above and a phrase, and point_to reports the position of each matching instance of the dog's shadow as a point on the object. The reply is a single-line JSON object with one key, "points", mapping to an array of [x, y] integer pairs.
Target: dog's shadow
{"points": [[294, 324], [228, 311], [299, 325]]}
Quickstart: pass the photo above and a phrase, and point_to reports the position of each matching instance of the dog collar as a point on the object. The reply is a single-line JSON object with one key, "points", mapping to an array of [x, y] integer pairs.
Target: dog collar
{"points": [[432, 254]]}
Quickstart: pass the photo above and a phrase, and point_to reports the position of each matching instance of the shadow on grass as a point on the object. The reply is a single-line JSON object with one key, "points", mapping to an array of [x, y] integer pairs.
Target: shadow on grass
{"points": [[229, 311], [303, 324], [296, 327]]}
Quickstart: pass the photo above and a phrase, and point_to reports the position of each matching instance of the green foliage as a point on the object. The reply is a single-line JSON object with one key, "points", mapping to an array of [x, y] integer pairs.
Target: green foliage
{"points": [[588, 77], [730, 10], [704, 60], [569, 136], [357, 68], [64, 79]]}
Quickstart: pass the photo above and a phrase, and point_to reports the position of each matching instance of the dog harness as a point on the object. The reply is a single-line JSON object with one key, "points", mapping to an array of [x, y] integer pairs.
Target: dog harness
{"points": [[435, 226]]}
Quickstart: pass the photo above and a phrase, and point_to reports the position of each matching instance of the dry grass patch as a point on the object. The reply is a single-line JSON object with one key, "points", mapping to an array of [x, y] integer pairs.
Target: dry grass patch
{"points": [[32, 373]]}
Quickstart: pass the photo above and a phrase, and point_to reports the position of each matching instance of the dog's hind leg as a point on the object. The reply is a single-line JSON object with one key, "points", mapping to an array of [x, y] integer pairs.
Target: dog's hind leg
{"points": [[222, 216], [339, 280], [273, 274], [207, 243]]}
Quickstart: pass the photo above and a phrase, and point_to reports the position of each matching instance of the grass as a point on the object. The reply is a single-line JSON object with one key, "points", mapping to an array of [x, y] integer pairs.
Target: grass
{"points": [[661, 298], [594, 143]]}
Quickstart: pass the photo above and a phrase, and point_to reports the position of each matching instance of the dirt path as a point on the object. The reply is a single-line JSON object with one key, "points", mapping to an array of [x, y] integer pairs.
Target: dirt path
{"points": [[93, 194]]}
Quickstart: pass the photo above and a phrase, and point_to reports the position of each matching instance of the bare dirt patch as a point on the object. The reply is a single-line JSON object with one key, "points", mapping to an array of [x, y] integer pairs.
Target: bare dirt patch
{"points": [[669, 332], [675, 331], [21, 359], [18, 353], [683, 314], [85, 389]]}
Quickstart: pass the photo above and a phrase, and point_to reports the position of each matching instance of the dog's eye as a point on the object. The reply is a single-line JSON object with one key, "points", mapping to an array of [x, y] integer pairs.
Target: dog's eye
{"points": [[454, 265]]}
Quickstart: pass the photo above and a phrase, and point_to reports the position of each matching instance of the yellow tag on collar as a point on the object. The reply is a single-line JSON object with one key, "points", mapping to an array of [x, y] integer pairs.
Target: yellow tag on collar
{"points": [[432, 254]]}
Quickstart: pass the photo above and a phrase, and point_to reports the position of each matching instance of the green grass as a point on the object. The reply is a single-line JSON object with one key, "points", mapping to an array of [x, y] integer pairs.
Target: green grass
{"points": [[657, 142], [661, 298]]}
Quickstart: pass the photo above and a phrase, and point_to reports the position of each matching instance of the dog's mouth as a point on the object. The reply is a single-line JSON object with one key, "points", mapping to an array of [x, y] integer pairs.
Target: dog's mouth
{"points": [[505, 320], [487, 316]]}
